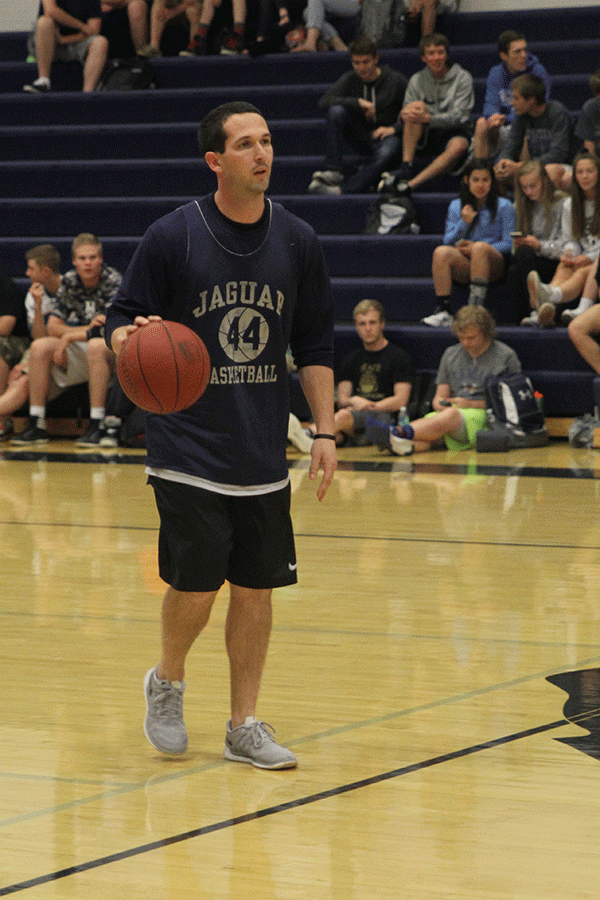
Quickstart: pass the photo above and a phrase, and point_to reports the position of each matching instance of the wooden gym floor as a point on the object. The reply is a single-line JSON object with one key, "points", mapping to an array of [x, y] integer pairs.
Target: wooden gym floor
{"points": [[446, 612]]}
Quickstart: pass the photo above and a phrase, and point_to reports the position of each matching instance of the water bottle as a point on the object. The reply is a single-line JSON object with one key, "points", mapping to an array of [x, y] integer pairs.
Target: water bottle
{"points": [[403, 417]]}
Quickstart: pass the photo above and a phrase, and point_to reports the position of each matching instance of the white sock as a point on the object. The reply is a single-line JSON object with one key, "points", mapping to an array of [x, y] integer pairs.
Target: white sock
{"points": [[555, 294], [583, 304], [37, 412], [97, 412]]}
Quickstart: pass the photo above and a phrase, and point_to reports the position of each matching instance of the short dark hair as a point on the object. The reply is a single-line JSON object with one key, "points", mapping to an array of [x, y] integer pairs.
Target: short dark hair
{"points": [[45, 255], [211, 134], [507, 38], [530, 87], [433, 40], [363, 46]]}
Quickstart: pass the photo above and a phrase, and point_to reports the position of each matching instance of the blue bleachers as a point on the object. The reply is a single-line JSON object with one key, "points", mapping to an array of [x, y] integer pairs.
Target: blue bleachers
{"points": [[112, 163]]}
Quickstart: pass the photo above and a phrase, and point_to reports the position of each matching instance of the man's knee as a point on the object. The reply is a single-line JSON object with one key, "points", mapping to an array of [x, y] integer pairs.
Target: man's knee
{"points": [[337, 115]]}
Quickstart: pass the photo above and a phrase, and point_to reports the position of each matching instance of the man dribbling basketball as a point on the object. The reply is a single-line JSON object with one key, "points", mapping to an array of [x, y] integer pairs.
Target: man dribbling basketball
{"points": [[250, 279]]}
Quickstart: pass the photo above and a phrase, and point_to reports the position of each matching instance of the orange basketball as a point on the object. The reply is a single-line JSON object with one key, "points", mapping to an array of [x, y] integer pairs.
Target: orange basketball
{"points": [[163, 367]]}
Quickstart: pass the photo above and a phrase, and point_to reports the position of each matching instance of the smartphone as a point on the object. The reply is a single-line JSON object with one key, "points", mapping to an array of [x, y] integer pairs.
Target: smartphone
{"points": [[445, 403], [514, 234]]}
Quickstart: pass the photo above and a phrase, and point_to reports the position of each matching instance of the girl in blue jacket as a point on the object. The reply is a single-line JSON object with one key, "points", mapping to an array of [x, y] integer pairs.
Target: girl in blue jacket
{"points": [[477, 240]]}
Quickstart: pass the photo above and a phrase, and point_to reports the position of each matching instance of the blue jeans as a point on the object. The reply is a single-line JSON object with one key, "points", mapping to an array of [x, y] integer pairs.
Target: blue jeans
{"points": [[347, 127]]}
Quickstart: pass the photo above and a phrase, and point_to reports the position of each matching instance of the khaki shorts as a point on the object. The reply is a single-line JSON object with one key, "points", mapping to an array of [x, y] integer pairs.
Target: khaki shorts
{"points": [[76, 371], [77, 50]]}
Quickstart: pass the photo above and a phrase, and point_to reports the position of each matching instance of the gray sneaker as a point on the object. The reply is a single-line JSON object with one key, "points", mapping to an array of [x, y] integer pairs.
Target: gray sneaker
{"points": [[163, 725], [532, 319], [253, 743], [546, 315]]}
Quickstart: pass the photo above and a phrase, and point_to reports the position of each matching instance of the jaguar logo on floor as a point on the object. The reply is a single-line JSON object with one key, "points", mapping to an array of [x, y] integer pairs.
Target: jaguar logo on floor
{"points": [[582, 707]]}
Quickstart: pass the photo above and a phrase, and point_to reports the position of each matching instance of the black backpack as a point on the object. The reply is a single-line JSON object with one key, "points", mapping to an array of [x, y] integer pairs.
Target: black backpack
{"points": [[127, 75], [392, 213], [514, 418]]}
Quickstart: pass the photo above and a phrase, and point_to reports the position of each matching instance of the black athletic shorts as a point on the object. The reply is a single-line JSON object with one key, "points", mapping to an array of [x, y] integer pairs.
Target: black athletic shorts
{"points": [[207, 538]]}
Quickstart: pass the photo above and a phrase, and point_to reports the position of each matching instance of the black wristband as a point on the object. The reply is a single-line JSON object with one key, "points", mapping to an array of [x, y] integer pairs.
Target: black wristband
{"points": [[329, 437], [95, 331]]}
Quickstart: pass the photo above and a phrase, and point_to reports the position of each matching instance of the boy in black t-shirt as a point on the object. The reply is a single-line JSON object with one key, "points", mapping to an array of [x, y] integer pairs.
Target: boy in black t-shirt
{"points": [[65, 30], [374, 380]]}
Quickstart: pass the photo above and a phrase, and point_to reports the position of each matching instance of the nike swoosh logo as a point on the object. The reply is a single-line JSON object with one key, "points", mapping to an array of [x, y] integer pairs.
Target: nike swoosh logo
{"points": [[292, 568]]}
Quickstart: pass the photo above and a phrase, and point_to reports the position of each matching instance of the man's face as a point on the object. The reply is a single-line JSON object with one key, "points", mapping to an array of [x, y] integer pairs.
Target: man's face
{"points": [[245, 164], [473, 340], [87, 260], [520, 105], [35, 272], [515, 57], [436, 60], [366, 67], [369, 327]]}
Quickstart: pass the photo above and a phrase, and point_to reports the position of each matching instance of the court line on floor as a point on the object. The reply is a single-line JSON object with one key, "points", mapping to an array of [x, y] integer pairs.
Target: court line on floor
{"points": [[130, 787], [279, 808]]}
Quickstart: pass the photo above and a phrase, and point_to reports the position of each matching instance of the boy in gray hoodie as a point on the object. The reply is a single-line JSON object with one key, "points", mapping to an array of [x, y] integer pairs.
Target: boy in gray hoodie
{"points": [[436, 115]]}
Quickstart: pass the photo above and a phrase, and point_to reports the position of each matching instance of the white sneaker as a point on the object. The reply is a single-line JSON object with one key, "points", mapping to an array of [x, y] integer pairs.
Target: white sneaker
{"points": [[441, 318], [546, 314], [538, 291], [298, 436], [531, 319], [568, 315], [400, 446]]}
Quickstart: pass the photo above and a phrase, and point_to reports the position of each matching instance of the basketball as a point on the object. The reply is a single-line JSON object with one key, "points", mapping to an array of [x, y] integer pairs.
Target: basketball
{"points": [[163, 367]]}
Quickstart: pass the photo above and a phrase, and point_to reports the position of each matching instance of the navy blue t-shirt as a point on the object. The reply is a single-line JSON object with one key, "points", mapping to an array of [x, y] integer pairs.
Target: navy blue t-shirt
{"points": [[248, 291]]}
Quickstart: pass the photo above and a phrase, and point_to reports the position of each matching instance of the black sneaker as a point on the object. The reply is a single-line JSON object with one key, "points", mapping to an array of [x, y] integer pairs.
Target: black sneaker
{"points": [[37, 87], [31, 434], [196, 47], [404, 173], [232, 45], [92, 436], [7, 429]]}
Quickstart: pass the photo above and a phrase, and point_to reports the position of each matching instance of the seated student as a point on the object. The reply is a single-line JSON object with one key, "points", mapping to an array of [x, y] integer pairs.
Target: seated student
{"points": [[584, 329], [164, 11], [492, 128], [362, 112], [74, 350], [407, 20], [374, 380], [459, 401], [588, 121], [580, 227], [318, 27], [539, 241], [436, 117], [43, 270], [14, 336], [65, 30], [540, 130], [477, 241], [119, 15]]}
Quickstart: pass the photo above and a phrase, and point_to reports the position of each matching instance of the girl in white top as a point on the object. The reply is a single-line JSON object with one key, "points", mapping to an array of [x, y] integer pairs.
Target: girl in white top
{"points": [[581, 227], [538, 241]]}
